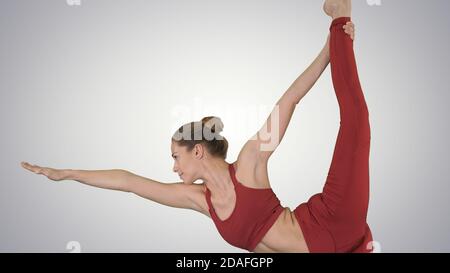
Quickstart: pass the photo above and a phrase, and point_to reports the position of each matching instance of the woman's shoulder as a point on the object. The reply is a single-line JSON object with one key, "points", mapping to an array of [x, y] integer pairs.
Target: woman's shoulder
{"points": [[251, 172], [198, 195]]}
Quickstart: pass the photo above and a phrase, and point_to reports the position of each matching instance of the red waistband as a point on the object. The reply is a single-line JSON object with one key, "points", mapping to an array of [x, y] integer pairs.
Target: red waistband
{"points": [[340, 21]]}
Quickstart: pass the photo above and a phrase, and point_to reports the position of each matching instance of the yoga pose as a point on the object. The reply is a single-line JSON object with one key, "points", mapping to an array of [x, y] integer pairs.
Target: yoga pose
{"points": [[237, 196]]}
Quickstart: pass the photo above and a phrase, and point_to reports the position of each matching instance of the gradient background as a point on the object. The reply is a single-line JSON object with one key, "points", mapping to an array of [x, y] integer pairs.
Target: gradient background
{"points": [[103, 85]]}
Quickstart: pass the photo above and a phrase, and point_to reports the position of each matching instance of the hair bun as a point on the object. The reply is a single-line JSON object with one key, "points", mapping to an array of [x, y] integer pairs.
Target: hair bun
{"points": [[214, 123]]}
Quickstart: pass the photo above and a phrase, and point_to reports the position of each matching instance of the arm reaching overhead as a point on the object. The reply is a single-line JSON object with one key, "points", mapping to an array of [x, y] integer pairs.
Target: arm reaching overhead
{"points": [[262, 145], [309, 77], [300, 87]]}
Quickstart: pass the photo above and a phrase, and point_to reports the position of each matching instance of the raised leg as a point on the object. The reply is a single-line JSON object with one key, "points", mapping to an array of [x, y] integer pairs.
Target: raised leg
{"points": [[346, 191], [335, 220]]}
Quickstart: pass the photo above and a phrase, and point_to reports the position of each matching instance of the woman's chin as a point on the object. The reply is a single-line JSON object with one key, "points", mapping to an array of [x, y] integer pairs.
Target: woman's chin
{"points": [[187, 181]]}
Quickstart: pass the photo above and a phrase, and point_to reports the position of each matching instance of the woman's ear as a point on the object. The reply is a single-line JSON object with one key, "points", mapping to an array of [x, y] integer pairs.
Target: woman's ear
{"points": [[198, 151]]}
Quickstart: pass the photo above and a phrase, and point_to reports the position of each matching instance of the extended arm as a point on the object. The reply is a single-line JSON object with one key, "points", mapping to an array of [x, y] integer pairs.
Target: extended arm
{"points": [[176, 195], [308, 78], [262, 145], [115, 179], [266, 140]]}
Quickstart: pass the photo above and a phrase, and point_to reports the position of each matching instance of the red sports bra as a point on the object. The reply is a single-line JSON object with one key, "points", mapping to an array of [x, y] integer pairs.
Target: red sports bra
{"points": [[256, 210]]}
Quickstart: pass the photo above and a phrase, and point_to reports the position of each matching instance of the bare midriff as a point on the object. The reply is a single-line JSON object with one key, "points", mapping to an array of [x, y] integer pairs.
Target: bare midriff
{"points": [[285, 235]]}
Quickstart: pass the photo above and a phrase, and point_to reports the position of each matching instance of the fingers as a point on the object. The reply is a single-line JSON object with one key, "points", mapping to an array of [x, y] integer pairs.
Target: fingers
{"points": [[50, 173], [349, 29], [34, 168], [45, 171], [26, 165], [349, 25]]}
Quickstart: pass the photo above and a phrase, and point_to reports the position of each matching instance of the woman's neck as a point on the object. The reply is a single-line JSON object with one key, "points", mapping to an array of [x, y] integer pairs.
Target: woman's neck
{"points": [[216, 176]]}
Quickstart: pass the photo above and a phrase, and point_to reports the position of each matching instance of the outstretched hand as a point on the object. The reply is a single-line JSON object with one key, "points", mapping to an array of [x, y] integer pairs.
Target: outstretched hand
{"points": [[349, 28], [52, 174]]}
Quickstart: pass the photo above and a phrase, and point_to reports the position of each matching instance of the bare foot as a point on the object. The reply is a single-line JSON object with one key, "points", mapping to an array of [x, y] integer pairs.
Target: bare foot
{"points": [[338, 8]]}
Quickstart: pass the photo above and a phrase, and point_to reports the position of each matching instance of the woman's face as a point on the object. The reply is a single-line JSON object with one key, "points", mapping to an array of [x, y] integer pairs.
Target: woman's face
{"points": [[184, 163]]}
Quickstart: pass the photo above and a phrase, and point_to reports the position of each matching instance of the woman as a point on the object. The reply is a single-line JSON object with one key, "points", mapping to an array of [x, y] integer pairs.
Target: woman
{"points": [[238, 196]]}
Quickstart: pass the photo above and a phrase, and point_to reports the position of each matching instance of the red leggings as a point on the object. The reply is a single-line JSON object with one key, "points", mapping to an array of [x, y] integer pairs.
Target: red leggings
{"points": [[335, 220]]}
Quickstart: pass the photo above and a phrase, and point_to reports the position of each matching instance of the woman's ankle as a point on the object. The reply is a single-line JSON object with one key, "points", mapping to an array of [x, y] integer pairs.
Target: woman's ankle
{"points": [[340, 14], [343, 10], [338, 8]]}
